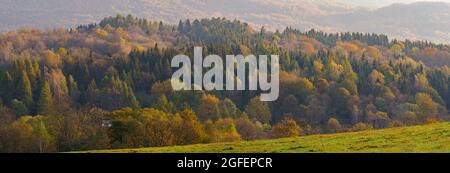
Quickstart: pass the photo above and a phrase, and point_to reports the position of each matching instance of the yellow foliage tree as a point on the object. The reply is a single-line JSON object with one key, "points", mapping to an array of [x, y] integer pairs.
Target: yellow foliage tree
{"points": [[286, 128]]}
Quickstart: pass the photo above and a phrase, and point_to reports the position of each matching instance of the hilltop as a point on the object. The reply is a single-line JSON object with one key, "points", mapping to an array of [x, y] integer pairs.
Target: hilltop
{"points": [[422, 20]]}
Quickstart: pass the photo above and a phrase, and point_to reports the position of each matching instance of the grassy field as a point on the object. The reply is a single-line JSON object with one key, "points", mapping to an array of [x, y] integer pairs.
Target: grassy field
{"points": [[414, 139]]}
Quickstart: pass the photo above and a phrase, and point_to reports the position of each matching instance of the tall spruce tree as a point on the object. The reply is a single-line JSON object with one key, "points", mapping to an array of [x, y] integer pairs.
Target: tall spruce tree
{"points": [[24, 91], [45, 103], [6, 87], [74, 92]]}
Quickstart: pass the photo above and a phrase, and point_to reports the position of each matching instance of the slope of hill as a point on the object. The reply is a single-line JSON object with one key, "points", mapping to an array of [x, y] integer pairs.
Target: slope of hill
{"points": [[422, 20], [426, 138], [53, 13], [120, 70], [426, 20]]}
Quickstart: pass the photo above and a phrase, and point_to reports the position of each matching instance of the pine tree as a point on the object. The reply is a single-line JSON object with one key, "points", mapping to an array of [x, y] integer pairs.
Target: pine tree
{"points": [[134, 103], [92, 93], [180, 27], [6, 87], [45, 103], [74, 92], [32, 69], [19, 107], [25, 93], [228, 109], [164, 105]]}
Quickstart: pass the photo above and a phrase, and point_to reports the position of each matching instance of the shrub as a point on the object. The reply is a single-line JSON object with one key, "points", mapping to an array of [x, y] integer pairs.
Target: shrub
{"points": [[334, 125], [361, 127], [286, 128]]}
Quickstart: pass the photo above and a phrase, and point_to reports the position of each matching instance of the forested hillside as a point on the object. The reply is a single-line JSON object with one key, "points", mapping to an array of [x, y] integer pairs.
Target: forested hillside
{"points": [[415, 21], [106, 85]]}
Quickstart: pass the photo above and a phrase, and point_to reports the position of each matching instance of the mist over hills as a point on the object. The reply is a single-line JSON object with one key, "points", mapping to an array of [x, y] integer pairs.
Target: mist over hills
{"points": [[422, 20]]}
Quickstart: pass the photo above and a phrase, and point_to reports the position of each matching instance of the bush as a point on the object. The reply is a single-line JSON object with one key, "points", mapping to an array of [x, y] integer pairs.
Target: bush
{"points": [[396, 123], [361, 127], [334, 125], [227, 130], [286, 128], [432, 120]]}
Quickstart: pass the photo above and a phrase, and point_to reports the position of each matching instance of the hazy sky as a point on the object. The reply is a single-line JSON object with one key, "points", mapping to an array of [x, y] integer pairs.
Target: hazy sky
{"points": [[380, 3]]}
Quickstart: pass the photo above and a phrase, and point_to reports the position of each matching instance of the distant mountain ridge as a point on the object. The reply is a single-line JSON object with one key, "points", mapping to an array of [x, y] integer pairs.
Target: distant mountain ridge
{"points": [[422, 20]]}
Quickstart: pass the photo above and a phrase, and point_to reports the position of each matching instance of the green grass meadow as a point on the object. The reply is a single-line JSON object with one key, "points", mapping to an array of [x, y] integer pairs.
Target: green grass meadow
{"points": [[434, 138]]}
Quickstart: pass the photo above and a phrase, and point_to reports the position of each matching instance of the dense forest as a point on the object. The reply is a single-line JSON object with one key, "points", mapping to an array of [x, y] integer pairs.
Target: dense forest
{"points": [[107, 85]]}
